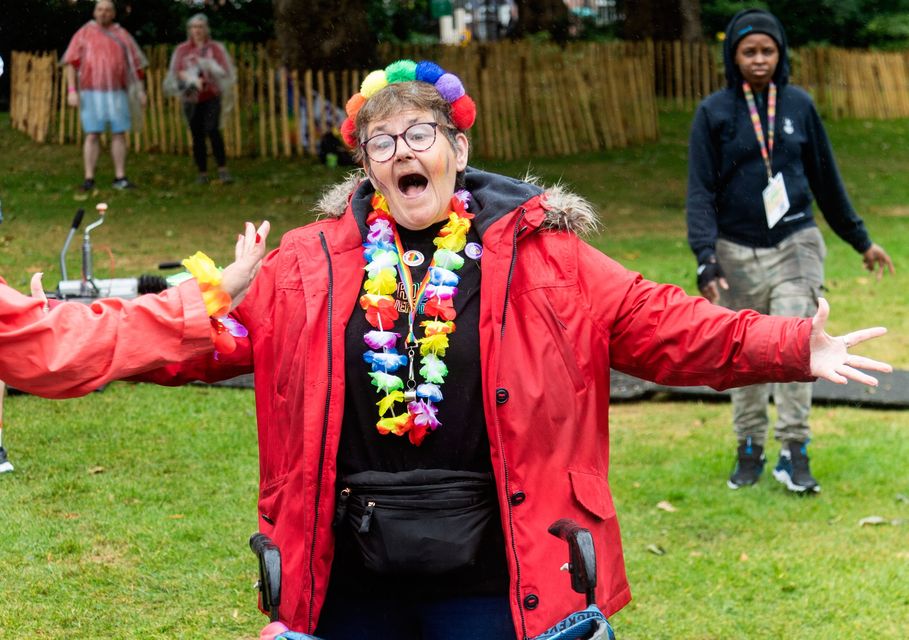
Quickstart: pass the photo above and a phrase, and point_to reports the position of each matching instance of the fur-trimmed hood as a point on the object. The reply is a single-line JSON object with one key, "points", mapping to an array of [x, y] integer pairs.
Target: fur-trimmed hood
{"points": [[492, 196]]}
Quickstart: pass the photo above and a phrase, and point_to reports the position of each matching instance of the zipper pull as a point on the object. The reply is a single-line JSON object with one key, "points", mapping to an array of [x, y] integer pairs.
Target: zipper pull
{"points": [[367, 517], [341, 507]]}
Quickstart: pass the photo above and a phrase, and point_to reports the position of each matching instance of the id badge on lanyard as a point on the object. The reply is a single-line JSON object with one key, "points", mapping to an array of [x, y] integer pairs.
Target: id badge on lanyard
{"points": [[776, 200]]}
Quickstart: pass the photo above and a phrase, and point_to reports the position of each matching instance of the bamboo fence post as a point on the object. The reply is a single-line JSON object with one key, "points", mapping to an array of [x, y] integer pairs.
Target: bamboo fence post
{"points": [[270, 111], [61, 133], [285, 131], [260, 88], [320, 89], [310, 120], [297, 126]]}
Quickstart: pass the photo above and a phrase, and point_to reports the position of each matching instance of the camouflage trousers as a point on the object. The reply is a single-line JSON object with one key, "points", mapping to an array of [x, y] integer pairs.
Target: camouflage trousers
{"points": [[784, 280]]}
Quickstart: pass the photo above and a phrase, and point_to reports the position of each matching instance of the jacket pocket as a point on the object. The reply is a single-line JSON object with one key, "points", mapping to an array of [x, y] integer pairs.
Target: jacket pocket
{"points": [[270, 498], [558, 331], [592, 492]]}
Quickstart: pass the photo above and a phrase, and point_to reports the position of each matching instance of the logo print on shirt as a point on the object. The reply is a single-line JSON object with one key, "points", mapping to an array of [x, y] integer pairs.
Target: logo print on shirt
{"points": [[412, 258], [787, 126]]}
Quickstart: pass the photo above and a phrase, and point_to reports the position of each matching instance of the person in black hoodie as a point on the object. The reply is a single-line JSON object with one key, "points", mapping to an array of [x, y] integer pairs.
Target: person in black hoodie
{"points": [[758, 156]]}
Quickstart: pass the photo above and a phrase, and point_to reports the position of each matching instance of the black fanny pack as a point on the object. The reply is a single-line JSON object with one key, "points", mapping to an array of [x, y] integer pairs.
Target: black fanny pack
{"points": [[426, 522]]}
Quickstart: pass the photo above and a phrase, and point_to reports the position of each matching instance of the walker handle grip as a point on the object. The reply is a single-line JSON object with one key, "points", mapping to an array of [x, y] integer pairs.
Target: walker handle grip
{"points": [[269, 572], [582, 560]]}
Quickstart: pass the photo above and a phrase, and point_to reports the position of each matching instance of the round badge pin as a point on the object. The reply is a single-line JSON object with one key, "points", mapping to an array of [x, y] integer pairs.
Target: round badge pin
{"points": [[413, 258], [473, 250]]}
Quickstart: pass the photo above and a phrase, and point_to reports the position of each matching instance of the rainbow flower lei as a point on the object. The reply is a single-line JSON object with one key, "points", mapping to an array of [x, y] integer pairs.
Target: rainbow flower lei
{"points": [[383, 251]]}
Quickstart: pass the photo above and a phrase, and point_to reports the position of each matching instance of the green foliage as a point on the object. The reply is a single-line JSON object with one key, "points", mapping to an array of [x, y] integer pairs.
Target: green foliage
{"points": [[403, 22], [845, 23]]}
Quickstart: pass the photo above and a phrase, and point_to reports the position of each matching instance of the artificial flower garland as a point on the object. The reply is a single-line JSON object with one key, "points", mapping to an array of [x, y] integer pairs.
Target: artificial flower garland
{"points": [[217, 302], [463, 109], [383, 252]]}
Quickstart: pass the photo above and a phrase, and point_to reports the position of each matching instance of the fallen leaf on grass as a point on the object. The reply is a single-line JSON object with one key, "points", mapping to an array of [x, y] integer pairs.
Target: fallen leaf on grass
{"points": [[175, 516], [876, 520], [656, 549], [743, 557], [93, 471], [665, 505]]}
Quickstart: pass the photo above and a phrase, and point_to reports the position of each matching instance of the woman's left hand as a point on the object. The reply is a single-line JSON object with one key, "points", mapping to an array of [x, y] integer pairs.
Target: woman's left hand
{"points": [[248, 253], [830, 357]]}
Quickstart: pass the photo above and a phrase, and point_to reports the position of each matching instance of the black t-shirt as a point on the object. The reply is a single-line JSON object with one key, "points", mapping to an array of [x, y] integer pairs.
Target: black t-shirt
{"points": [[459, 443]]}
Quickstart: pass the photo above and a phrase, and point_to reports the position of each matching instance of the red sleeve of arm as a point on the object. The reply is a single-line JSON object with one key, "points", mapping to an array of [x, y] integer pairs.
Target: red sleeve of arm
{"points": [[75, 348], [660, 333]]}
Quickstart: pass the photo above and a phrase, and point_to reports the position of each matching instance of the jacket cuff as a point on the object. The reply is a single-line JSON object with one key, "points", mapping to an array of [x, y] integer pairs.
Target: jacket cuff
{"points": [[196, 323]]}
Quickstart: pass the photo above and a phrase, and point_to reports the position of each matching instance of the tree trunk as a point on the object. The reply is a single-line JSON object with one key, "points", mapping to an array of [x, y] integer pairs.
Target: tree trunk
{"points": [[535, 16], [662, 19], [324, 35]]}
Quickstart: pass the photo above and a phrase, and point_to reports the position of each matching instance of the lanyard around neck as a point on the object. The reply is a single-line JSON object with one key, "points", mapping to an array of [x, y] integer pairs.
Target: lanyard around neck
{"points": [[413, 299], [766, 148]]}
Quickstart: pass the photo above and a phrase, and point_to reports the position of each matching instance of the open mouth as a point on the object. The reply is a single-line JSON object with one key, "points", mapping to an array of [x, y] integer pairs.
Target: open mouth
{"points": [[412, 184]]}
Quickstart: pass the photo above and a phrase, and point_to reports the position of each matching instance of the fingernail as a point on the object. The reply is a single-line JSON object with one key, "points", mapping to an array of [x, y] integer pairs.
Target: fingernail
{"points": [[258, 238], [239, 236]]}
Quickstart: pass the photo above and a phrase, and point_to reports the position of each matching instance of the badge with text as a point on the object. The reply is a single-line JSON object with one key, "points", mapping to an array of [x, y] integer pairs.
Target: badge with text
{"points": [[473, 250], [412, 258], [776, 200]]}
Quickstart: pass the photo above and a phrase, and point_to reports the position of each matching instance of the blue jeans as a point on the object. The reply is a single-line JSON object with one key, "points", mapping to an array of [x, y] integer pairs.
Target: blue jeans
{"points": [[476, 618]]}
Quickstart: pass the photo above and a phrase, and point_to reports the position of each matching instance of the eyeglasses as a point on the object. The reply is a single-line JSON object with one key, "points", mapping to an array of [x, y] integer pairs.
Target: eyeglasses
{"points": [[419, 137]]}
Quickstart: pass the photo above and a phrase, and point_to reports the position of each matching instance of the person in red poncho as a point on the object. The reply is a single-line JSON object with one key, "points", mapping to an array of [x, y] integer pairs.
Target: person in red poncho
{"points": [[104, 79]]}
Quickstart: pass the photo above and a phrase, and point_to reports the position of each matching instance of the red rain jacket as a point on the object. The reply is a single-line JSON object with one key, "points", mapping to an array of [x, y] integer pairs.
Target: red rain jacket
{"points": [[555, 315]]}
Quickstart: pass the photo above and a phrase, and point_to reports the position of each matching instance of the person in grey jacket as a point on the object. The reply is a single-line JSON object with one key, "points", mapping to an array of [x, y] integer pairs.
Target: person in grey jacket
{"points": [[758, 157]]}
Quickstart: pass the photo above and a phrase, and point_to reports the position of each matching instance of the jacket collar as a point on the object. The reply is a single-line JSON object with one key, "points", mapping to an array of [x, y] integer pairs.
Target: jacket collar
{"points": [[492, 197]]}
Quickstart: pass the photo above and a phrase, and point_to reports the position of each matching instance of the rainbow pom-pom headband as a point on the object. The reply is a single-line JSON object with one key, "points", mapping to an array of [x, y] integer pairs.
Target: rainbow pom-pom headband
{"points": [[463, 109]]}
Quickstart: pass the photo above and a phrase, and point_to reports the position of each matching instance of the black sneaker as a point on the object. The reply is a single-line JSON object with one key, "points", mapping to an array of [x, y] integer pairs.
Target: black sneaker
{"points": [[122, 184], [793, 469], [87, 185], [748, 466], [5, 465]]}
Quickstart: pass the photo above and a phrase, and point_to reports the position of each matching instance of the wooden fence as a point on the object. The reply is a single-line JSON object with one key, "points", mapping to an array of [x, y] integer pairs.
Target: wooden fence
{"points": [[532, 101], [844, 83]]}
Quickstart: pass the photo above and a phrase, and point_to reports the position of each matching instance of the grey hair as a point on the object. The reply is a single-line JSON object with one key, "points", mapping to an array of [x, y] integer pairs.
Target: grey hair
{"points": [[199, 17]]}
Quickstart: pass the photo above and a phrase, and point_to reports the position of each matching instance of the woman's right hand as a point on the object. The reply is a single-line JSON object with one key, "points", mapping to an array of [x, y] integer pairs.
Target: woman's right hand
{"points": [[249, 252]]}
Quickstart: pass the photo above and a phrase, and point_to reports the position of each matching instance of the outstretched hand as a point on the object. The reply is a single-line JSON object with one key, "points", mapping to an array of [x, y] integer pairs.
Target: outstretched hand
{"points": [[830, 357], [250, 249], [37, 289]]}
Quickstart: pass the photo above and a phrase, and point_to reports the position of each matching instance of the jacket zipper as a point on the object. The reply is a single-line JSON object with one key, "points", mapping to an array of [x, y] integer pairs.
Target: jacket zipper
{"points": [[315, 525], [518, 229]]}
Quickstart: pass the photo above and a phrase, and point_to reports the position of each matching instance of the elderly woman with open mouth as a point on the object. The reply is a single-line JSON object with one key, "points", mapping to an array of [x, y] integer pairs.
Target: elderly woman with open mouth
{"points": [[432, 366]]}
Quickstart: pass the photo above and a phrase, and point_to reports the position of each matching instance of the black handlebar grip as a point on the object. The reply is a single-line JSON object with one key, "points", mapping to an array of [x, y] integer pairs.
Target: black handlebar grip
{"points": [[77, 220], [259, 543], [582, 560], [269, 572]]}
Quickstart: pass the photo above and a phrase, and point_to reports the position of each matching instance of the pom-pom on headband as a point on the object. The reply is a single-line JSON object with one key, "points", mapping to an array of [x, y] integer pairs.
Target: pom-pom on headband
{"points": [[463, 109]]}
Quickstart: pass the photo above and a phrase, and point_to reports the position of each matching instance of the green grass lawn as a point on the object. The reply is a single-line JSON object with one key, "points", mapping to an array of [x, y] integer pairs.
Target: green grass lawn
{"points": [[129, 510]]}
